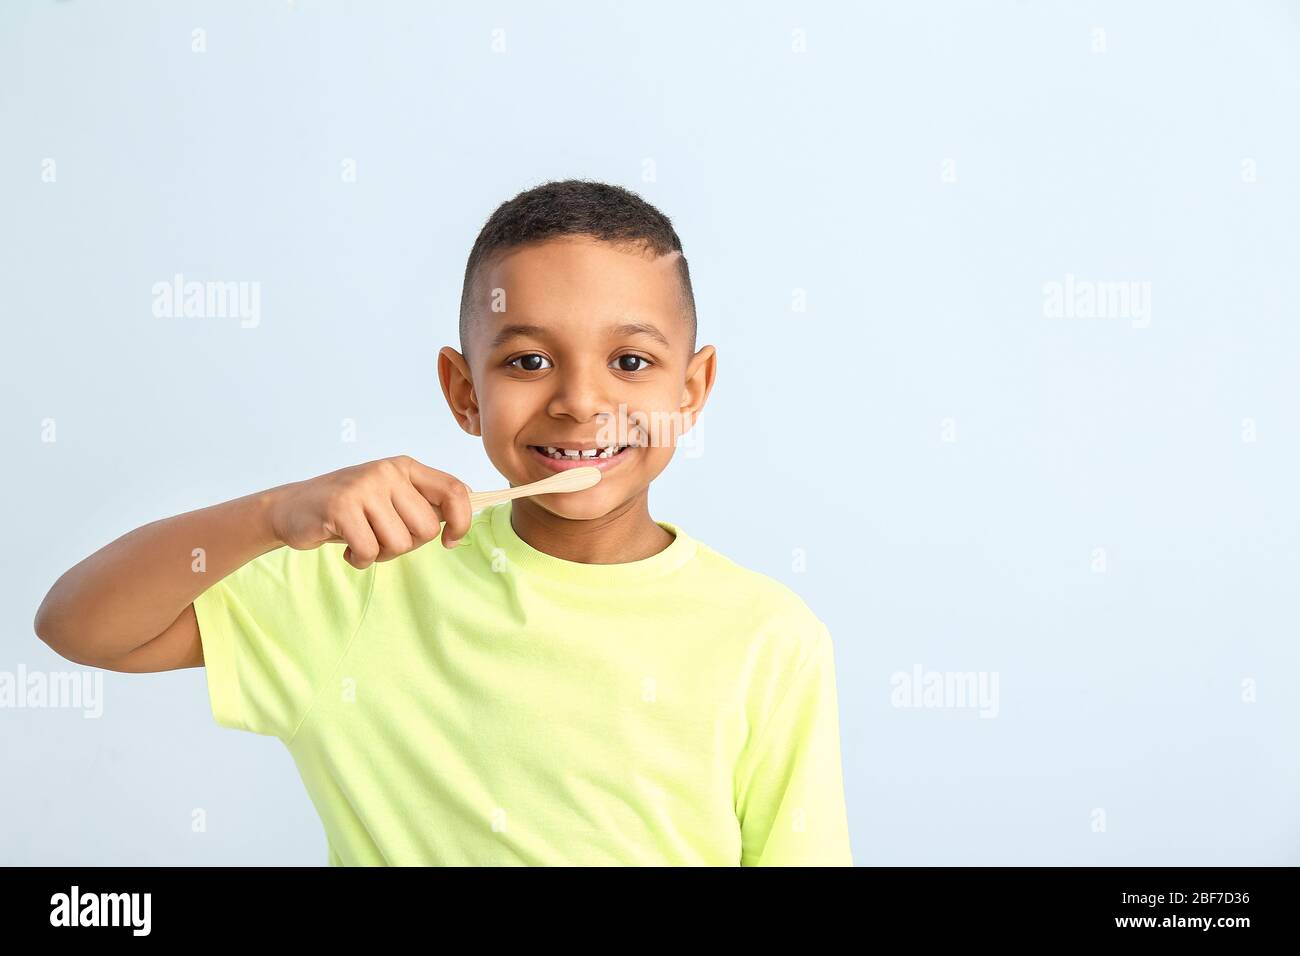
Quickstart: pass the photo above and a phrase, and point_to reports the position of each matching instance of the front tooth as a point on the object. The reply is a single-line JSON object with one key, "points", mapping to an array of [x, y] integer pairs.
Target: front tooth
{"points": [[590, 453], [572, 453]]}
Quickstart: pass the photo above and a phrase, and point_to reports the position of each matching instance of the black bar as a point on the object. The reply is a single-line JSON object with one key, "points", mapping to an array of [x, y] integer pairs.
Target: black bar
{"points": [[924, 904]]}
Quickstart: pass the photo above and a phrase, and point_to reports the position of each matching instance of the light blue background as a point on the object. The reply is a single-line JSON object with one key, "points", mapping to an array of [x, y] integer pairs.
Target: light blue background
{"points": [[818, 171]]}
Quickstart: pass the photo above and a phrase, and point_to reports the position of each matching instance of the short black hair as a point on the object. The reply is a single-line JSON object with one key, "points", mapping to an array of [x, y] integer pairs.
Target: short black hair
{"points": [[574, 207]]}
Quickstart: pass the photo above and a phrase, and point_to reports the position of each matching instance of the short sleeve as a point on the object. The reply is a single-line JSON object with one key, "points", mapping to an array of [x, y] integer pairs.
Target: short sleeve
{"points": [[790, 787], [274, 630]]}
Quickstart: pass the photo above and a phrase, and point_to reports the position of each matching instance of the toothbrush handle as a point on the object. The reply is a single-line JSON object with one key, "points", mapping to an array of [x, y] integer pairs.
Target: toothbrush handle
{"points": [[575, 479], [478, 500]]}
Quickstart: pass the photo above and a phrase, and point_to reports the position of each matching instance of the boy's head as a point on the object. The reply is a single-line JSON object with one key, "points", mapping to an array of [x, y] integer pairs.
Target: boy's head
{"points": [[577, 330]]}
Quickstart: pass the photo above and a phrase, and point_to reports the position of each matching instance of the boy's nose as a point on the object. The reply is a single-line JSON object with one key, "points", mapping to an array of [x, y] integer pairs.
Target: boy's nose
{"points": [[581, 397]]}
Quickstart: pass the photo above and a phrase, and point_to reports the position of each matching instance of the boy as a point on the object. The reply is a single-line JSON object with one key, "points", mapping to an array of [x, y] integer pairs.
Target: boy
{"points": [[563, 680]]}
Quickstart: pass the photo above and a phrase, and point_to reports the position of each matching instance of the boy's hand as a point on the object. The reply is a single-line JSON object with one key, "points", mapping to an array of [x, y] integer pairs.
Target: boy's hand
{"points": [[380, 509]]}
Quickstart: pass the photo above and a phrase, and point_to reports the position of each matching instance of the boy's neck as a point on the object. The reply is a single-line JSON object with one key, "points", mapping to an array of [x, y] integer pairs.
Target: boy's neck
{"points": [[626, 534]]}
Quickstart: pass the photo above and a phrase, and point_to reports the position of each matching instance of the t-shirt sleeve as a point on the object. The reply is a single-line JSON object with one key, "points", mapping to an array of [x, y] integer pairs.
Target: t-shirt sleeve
{"points": [[790, 787], [274, 630]]}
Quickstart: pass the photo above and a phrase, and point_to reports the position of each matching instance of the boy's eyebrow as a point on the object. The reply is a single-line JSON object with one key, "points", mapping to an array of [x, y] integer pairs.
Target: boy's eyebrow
{"points": [[639, 328], [508, 332]]}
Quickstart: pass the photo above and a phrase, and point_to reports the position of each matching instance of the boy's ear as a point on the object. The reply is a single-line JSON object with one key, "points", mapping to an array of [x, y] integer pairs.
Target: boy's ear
{"points": [[700, 373], [458, 389]]}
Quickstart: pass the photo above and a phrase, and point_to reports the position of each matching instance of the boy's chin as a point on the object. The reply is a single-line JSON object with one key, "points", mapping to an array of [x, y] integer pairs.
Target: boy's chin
{"points": [[584, 505]]}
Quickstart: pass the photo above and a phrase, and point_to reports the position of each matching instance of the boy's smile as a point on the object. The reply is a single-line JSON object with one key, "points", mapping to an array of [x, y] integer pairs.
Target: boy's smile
{"points": [[560, 459], [580, 355]]}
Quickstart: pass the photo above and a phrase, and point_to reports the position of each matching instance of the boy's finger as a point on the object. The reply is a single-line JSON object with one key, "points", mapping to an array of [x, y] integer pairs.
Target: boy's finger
{"points": [[363, 548], [449, 497], [420, 517], [390, 530]]}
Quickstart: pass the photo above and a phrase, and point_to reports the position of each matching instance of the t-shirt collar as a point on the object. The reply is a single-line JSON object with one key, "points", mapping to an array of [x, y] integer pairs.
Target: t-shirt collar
{"points": [[527, 558]]}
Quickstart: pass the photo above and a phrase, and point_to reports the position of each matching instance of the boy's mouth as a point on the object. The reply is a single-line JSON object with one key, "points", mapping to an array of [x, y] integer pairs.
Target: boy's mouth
{"points": [[559, 458]]}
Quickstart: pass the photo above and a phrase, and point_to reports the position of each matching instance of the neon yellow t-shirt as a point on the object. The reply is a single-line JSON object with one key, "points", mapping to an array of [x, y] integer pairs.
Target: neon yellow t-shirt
{"points": [[495, 705]]}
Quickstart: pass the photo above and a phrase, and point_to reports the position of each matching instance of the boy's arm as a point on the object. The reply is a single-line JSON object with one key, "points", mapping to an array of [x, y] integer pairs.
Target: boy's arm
{"points": [[791, 803], [129, 606]]}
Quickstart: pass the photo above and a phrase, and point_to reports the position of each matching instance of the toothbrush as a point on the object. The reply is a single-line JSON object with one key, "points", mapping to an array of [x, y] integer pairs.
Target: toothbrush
{"points": [[573, 479]]}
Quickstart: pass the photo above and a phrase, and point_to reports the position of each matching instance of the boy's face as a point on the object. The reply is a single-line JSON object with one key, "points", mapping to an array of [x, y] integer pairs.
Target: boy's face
{"points": [[579, 377]]}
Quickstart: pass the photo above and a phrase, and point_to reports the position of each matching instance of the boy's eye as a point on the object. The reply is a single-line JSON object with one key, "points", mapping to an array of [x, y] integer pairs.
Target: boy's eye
{"points": [[635, 358], [530, 362]]}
